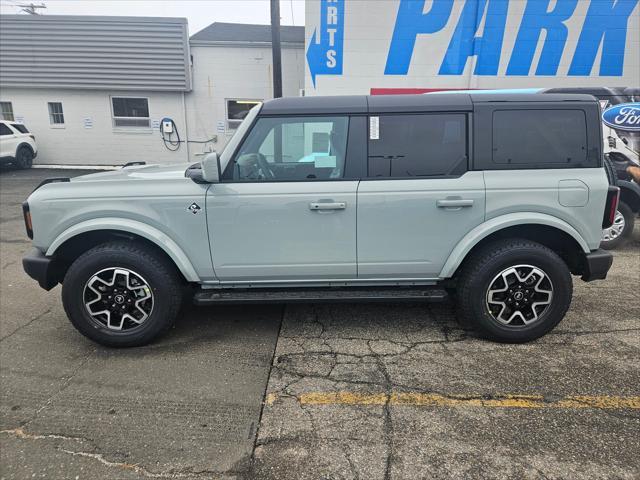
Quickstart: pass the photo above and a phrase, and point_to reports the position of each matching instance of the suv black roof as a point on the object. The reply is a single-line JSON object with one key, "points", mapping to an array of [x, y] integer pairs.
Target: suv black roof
{"points": [[405, 103]]}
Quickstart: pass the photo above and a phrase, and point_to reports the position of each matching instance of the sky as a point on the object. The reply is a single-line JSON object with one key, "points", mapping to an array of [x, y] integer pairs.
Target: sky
{"points": [[199, 13]]}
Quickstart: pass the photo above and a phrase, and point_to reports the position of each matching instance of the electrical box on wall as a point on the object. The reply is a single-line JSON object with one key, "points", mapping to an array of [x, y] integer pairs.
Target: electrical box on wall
{"points": [[167, 126]]}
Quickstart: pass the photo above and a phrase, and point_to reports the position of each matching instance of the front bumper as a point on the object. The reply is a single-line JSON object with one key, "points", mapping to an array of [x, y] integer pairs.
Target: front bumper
{"points": [[41, 268], [596, 265]]}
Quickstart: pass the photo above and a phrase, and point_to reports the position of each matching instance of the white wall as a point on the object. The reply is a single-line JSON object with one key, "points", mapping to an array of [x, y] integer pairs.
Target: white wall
{"points": [[219, 73], [226, 72], [102, 144]]}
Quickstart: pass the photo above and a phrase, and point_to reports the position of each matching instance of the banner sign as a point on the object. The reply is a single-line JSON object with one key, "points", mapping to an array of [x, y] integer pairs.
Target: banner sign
{"points": [[324, 55], [605, 23], [625, 116], [359, 45]]}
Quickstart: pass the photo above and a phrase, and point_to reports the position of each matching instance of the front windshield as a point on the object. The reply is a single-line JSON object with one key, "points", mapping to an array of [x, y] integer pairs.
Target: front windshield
{"points": [[237, 137]]}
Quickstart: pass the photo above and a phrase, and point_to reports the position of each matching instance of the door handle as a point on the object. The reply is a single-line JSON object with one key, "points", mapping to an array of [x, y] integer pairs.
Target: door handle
{"points": [[454, 203], [327, 205]]}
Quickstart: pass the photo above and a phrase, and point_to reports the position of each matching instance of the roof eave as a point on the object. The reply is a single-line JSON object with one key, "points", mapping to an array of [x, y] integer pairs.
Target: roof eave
{"points": [[228, 43]]}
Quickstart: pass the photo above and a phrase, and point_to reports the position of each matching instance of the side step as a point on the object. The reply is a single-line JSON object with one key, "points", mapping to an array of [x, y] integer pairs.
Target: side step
{"points": [[319, 295]]}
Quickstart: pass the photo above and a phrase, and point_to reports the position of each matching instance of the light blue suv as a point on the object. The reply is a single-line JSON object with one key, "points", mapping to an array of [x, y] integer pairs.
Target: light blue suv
{"points": [[498, 197]]}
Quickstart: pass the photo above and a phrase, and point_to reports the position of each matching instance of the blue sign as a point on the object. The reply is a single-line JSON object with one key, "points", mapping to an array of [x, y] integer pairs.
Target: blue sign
{"points": [[324, 55], [625, 116], [604, 28]]}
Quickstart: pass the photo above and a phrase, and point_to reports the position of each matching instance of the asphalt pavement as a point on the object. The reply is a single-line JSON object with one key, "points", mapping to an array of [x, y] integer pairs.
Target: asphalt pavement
{"points": [[316, 391]]}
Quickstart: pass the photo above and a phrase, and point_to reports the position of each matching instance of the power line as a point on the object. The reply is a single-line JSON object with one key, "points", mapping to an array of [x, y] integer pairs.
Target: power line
{"points": [[31, 8]]}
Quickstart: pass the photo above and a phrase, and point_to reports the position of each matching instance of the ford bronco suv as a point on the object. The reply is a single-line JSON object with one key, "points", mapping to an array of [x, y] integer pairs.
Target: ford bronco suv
{"points": [[496, 199]]}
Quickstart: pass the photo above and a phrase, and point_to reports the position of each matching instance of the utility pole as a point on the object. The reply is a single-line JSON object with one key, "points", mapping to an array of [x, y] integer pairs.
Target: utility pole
{"points": [[277, 74], [31, 8], [275, 48]]}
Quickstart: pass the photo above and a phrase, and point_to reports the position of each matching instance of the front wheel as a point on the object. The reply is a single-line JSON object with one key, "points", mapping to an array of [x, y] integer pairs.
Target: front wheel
{"points": [[620, 230], [121, 294], [24, 158], [514, 291]]}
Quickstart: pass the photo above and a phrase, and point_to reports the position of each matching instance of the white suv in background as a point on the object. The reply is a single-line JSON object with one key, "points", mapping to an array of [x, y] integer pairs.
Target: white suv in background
{"points": [[17, 145]]}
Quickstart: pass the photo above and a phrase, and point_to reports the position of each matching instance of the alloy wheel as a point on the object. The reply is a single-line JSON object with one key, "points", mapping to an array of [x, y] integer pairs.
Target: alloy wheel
{"points": [[118, 298], [616, 228], [519, 295]]}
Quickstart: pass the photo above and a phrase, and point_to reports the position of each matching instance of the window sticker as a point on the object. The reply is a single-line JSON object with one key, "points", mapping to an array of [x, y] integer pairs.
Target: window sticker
{"points": [[374, 128]]}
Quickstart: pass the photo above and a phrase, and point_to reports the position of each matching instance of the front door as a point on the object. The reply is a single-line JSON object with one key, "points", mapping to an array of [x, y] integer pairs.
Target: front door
{"points": [[284, 211], [419, 200]]}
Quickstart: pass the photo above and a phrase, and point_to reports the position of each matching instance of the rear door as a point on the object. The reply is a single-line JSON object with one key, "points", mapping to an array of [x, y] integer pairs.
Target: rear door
{"points": [[419, 199], [286, 208]]}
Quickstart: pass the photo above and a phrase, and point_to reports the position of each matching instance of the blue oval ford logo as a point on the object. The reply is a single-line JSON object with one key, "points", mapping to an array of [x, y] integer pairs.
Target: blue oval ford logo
{"points": [[625, 116]]}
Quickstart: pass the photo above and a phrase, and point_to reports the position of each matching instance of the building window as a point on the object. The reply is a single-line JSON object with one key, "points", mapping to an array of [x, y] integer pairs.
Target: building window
{"points": [[6, 111], [237, 110], [56, 116], [130, 112]]}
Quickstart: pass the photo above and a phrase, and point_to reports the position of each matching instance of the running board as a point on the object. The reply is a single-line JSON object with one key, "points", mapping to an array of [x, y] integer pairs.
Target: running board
{"points": [[319, 295]]}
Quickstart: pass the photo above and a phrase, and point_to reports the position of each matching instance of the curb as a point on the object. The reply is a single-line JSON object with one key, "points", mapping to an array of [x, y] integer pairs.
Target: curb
{"points": [[77, 167]]}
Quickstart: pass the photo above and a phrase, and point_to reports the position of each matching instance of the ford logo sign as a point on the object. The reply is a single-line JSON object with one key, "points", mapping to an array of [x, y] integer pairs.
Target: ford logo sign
{"points": [[625, 116]]}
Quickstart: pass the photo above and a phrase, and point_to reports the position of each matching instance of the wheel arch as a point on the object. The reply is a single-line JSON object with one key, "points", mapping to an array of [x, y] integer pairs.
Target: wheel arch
{"points": [[630, 194], [83, 236], [24, 145], [550, 231]]}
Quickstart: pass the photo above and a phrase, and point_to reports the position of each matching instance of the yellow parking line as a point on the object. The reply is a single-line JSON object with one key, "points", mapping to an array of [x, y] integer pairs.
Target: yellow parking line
{"points": [[607, 402]]}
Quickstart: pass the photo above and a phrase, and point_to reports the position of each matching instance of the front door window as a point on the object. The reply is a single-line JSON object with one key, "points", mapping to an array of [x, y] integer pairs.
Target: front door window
{"points": [[292, 149]]}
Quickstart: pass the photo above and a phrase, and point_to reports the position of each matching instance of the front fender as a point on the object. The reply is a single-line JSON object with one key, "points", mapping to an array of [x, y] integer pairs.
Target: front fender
{"points": [[152, 234], [498, 223]]}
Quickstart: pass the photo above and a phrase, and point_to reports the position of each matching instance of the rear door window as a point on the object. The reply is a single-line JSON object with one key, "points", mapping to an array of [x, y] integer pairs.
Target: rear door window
{"points": [[4, 130], [539, 137], [423, 145], [19, 127]]}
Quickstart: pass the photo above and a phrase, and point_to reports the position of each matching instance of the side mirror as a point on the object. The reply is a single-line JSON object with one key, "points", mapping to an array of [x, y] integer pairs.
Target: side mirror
{"points": [[211, 168]]}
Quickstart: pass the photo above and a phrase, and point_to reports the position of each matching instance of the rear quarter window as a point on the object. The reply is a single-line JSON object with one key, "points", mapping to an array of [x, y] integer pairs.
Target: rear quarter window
{"points": [[19, 127], [540, 137]]}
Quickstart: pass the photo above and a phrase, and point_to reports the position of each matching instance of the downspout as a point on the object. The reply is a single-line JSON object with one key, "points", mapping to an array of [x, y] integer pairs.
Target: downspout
{"points": [[186, 126]]}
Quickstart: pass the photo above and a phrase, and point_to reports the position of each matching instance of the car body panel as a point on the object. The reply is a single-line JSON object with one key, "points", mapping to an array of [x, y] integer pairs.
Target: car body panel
{"points": [[534, 192], [130, 226], [501, 222], [402, 232], [266, 231], [153, 205]]}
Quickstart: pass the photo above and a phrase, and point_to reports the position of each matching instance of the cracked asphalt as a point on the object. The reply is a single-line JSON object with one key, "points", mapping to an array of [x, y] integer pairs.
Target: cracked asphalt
{"points": [[365, 391]]}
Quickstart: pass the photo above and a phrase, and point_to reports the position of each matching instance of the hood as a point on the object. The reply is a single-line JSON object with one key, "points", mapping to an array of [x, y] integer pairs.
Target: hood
{"points": [[138, 172]]}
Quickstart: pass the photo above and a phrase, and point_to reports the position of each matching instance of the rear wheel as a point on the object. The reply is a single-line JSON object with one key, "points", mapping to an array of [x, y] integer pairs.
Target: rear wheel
{"points": [[621, 229], [24, 158], [121, 294], [514, 291]]}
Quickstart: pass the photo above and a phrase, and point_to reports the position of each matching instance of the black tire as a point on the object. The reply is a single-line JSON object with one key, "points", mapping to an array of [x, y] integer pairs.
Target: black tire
{"points": [[612, 237], [610, 169], [479, 273], [164, 284], [24, 158]]}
